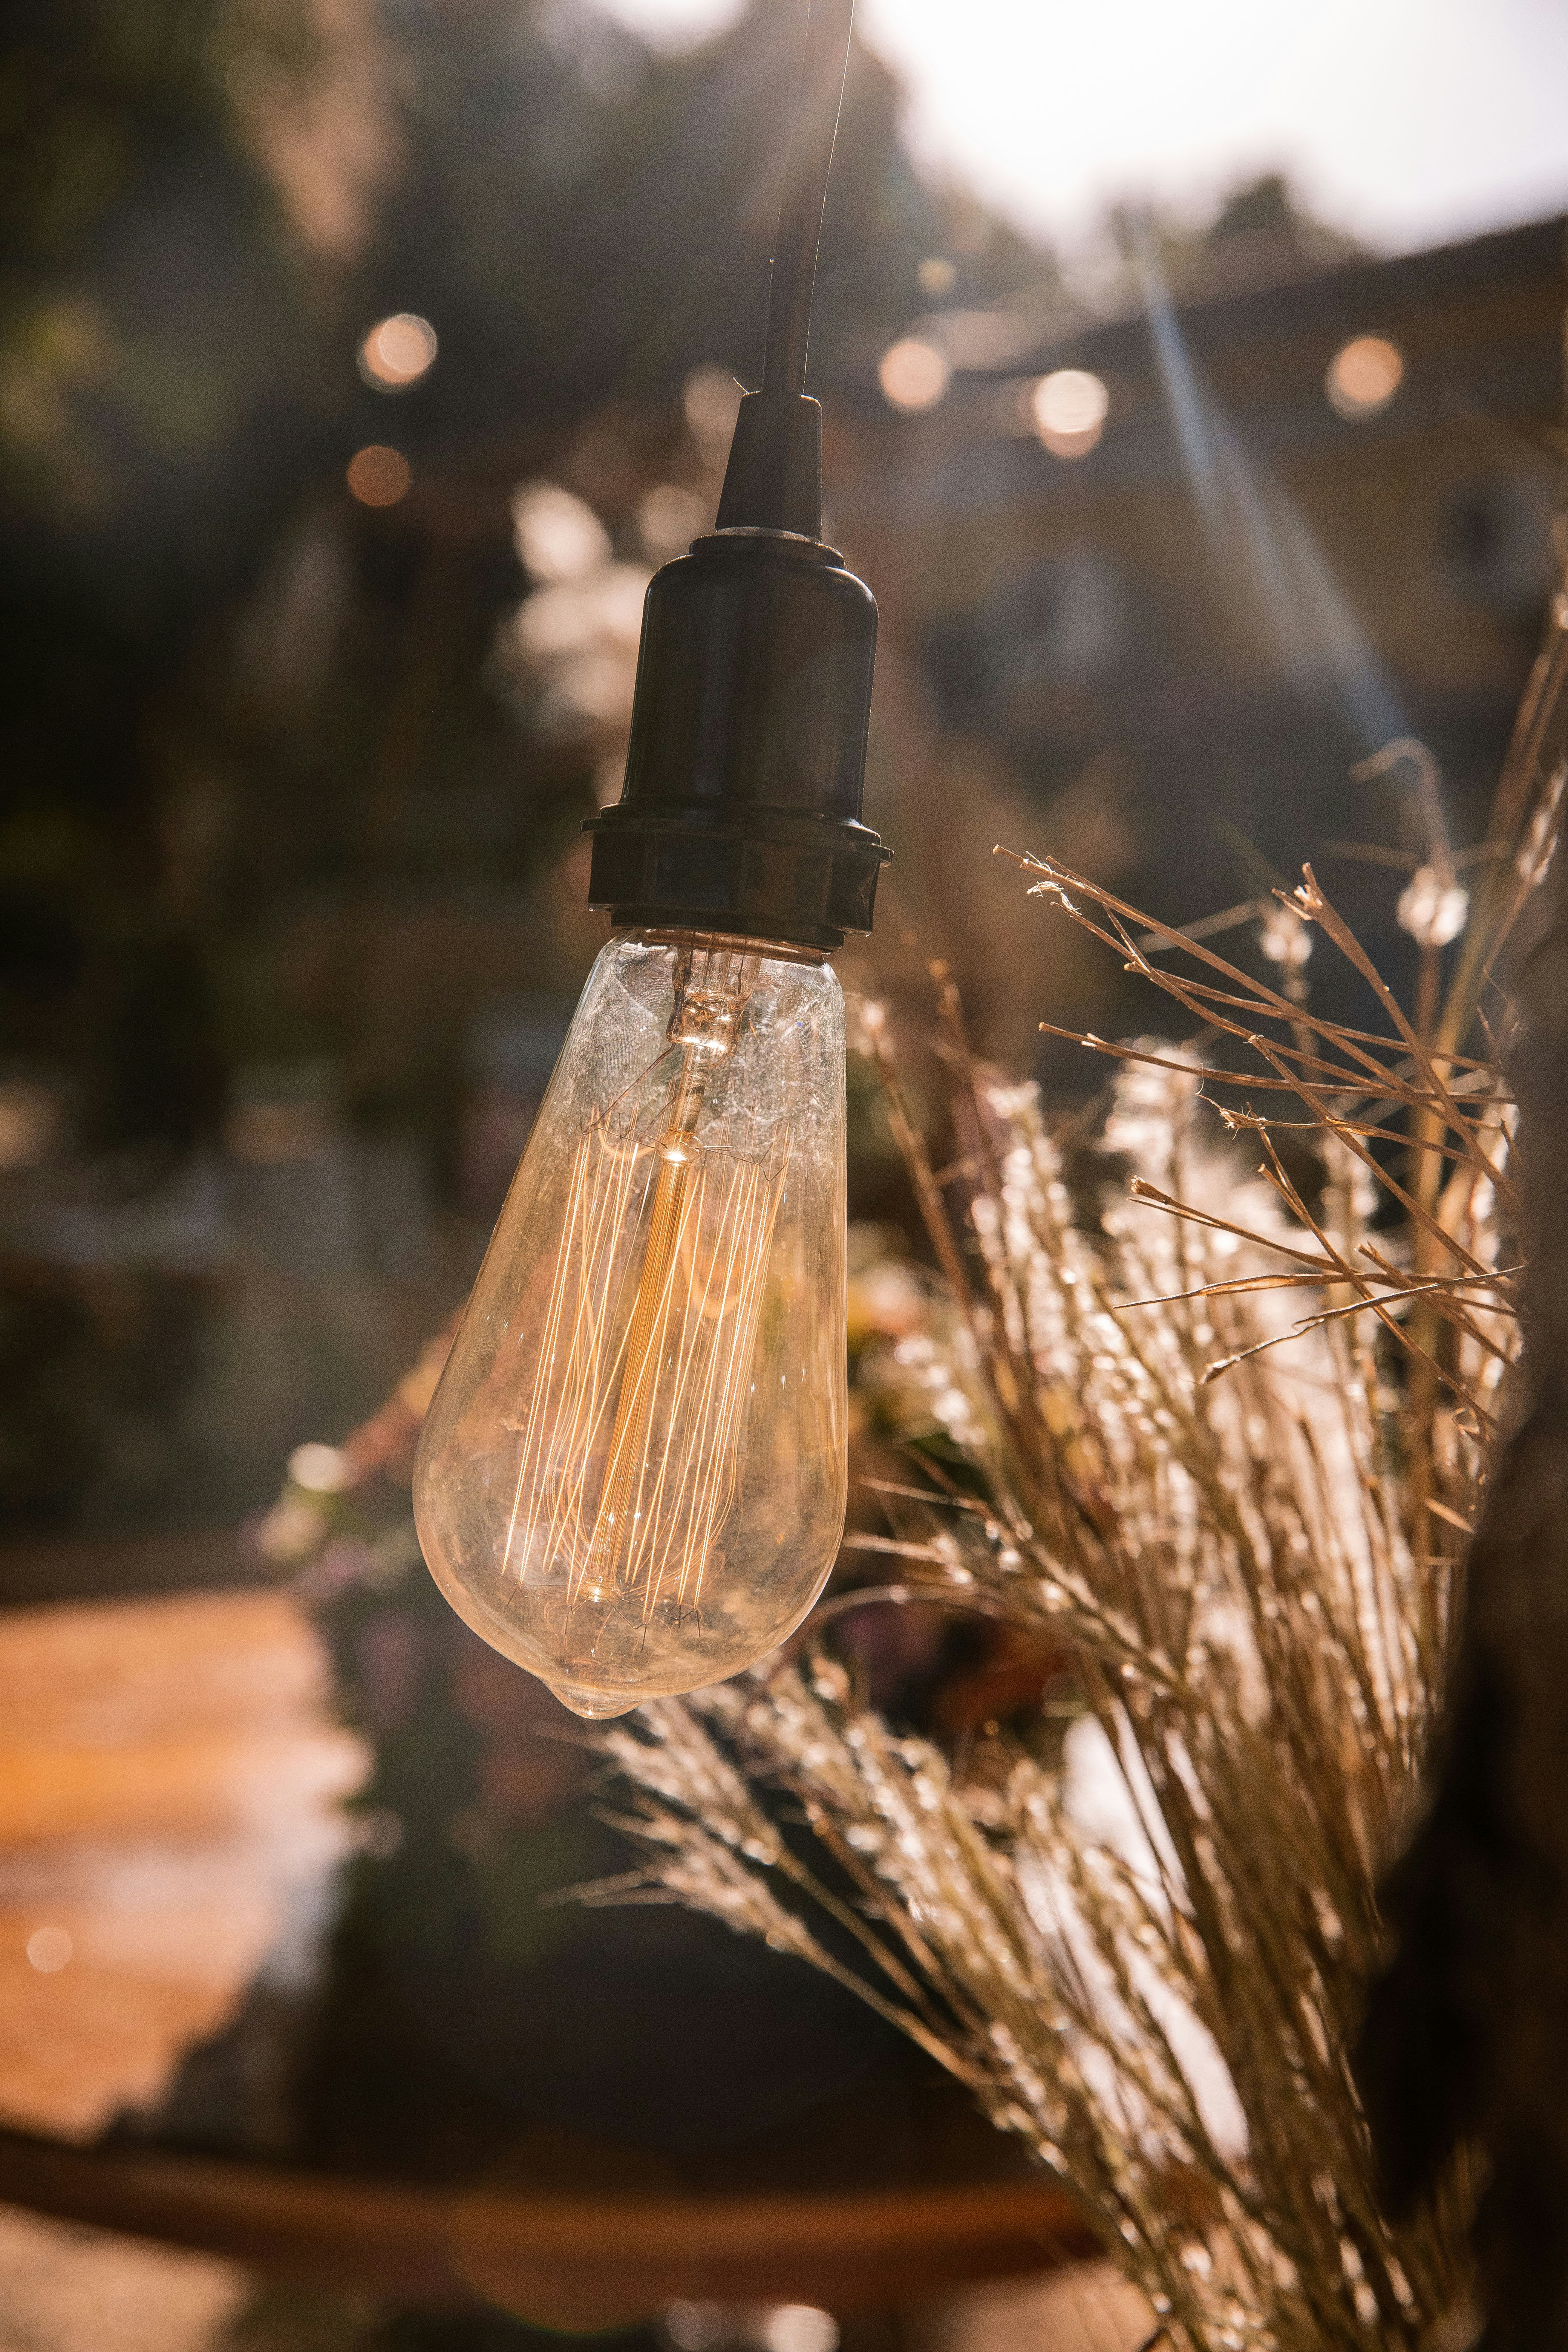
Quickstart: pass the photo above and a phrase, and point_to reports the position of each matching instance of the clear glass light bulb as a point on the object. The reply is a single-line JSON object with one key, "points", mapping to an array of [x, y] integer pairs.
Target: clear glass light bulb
{"points": [[631, 1478]]}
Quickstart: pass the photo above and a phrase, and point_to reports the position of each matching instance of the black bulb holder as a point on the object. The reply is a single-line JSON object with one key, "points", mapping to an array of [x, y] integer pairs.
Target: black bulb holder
{"points": [[740, 810]]}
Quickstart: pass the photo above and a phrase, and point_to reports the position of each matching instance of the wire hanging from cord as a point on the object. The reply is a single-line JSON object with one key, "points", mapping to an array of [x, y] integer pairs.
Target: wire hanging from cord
{"points": [[804, 193]]}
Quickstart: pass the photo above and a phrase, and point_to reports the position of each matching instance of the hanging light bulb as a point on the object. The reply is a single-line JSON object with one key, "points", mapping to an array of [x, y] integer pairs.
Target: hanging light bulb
{"points": [[631, 1478], [634, 1476]]}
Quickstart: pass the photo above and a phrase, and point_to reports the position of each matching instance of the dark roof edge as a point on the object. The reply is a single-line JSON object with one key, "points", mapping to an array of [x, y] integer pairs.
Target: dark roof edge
{"points": [[1349, 294]]}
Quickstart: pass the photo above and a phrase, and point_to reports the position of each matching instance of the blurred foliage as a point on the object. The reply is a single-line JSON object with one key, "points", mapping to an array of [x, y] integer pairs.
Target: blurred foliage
{"points": [[276, 817], [1263, 234], [239, 707], [251, 729], [291, 818]]}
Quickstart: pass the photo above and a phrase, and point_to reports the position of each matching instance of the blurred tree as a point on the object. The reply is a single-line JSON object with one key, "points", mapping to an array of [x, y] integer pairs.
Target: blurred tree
{"points": [[247, 725], [1262, 233], [151, 372]]}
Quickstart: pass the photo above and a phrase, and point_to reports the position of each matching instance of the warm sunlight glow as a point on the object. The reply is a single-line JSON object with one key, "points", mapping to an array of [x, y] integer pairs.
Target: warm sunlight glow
{"points": [[1411, 123]]}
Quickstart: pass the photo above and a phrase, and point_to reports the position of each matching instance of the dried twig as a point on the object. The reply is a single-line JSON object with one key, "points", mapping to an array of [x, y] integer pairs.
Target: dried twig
{"points": [[1150, 1967]]}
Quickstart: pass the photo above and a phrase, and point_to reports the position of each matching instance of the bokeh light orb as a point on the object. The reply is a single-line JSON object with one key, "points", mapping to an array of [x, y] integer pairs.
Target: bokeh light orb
{"points": [[49, 1949], [668, 519], [1363, 376], [936, 275], [712, 399], [798, 2328], [1069, 407], [379, 476], [321, 1469], [398, 352], [914, 376], [557, 535]]}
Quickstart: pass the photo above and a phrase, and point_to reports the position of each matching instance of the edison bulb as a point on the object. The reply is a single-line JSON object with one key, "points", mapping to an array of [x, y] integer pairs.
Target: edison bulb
{"points": [[632, 1476]]}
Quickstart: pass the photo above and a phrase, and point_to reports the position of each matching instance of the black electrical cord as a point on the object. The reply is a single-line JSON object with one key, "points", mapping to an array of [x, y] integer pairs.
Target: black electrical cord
{"points": [[742, 808], [815, 129], [773, 480]]}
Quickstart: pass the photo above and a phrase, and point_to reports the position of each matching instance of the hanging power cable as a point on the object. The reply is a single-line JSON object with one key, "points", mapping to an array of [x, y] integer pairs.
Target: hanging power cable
{"points": [[812, 136], [774, 478]]}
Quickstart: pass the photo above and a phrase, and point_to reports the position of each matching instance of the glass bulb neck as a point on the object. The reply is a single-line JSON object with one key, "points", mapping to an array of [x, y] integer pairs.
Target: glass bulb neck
{"points": [[714, 978]]}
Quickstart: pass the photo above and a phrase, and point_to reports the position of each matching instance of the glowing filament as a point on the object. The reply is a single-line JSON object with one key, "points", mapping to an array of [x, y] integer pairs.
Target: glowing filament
{"points": [[640, 1516], [632, 1476]]}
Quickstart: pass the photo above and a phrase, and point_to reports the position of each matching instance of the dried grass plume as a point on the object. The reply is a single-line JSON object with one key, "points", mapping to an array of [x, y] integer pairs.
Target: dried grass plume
{"points": [[1225, 1430]]}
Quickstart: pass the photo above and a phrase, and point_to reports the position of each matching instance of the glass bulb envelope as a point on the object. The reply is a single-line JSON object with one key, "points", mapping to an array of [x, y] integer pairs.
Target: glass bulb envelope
{"points": [[632, 1476]]}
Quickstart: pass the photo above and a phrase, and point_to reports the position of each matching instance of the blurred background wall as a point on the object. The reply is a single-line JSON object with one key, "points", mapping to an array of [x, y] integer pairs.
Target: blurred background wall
{"points": [[357, 364]]}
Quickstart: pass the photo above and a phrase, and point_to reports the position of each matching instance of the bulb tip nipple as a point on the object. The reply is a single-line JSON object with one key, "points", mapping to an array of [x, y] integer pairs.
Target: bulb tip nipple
{"points": [[594, 1705]]}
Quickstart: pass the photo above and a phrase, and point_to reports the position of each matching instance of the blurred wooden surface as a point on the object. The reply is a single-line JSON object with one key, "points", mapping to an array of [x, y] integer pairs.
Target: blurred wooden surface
{"points": [[170, 1783], [64, 2288], [170, 1787], [563, 2261]]}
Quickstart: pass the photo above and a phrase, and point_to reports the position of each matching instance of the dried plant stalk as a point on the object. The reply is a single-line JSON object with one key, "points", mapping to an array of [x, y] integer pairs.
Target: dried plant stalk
{"points": [[1228, 1438]]}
